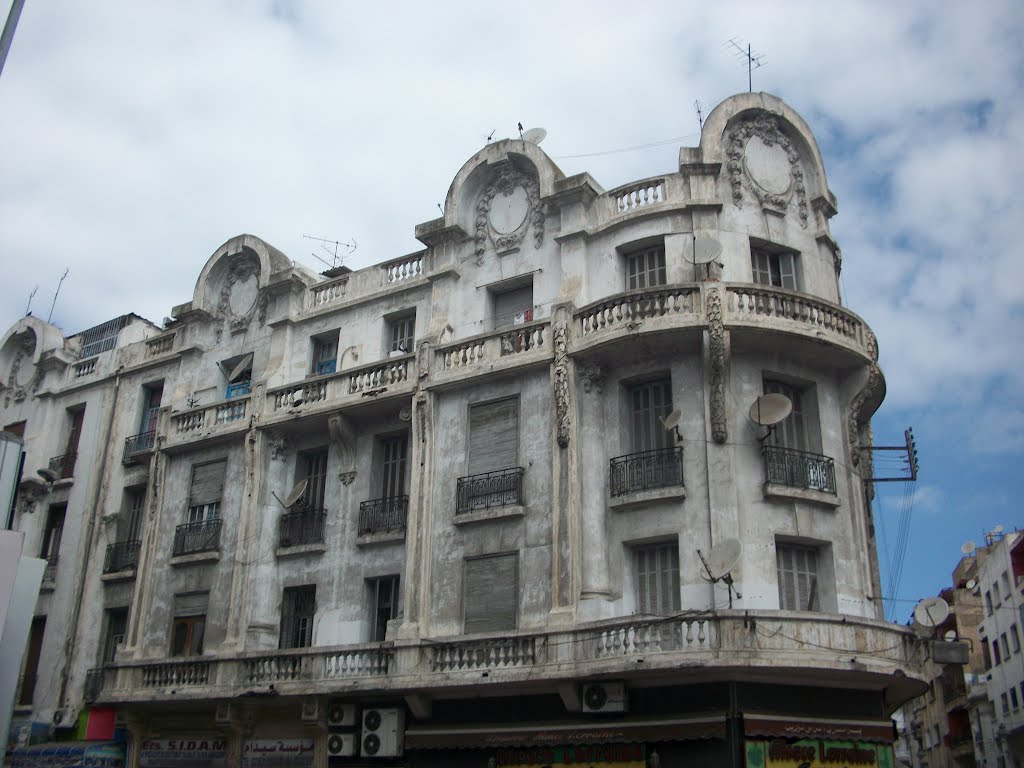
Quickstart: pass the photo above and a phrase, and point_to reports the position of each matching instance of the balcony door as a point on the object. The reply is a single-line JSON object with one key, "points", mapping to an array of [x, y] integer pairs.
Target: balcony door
{"points": [[394, 467], [649, 404], [791, 432], [151, 407]]}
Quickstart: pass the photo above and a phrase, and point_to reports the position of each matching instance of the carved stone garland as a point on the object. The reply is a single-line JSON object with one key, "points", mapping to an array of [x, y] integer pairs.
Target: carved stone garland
{"points": [[506, 182], [716, 334], [858, 424], [25, 351], [561, 378], [241, 267], [766, 128], [344, 436], [278, 445], [592, 378]]}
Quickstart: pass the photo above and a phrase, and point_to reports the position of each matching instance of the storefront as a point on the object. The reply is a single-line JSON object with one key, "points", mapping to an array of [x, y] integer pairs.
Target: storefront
{"points": [[775, 741], [183, 753], [278, 753], [69, 754]]}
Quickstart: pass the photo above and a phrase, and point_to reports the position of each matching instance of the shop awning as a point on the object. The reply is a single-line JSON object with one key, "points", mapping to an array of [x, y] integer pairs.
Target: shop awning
{"points": [[68, 754], [583, 732], [785, 727]]}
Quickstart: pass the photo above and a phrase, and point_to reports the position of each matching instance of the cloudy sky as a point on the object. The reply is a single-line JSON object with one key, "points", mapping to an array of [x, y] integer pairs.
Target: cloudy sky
{"points": [[138, 136]]}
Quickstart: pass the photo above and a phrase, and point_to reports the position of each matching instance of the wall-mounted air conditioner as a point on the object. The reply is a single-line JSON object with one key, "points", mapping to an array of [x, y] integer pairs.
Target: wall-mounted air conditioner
{"points": [[604, 697], [341, 745], [383, 733], [341, 714]]}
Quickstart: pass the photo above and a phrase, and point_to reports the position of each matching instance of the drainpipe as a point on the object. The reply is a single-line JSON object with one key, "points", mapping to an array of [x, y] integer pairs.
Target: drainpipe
{"points": [[90, 532]]}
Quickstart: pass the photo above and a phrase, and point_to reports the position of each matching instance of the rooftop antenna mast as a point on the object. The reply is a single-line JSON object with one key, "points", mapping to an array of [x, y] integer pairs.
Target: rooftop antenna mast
{"points": [[331, 247], [28, 307], [57, 293], [700, 114], [754, 60]]}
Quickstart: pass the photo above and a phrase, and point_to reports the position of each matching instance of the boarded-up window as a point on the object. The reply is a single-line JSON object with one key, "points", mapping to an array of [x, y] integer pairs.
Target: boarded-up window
{"points": [[798, 577], [206, 491], [657, 578], [493, 436], [512, 307], [490, 593]]}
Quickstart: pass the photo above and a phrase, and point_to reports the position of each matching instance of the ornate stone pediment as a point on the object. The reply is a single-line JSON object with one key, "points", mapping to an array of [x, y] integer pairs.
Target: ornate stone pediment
{"points": [[507, 209], [764, 160], [241, 297], [23, 377]]}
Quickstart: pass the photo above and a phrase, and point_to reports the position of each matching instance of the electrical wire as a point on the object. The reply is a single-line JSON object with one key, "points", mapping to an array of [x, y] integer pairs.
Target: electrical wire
{"points": [[635, 148]]}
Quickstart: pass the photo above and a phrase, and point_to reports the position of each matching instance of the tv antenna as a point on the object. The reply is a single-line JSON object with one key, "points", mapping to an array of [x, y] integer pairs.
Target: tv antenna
{"points": [[490, 136], [700, 114], [754, 60], [28, 307], [720, 562], [330, 247], [768, 410], [56, 293]]}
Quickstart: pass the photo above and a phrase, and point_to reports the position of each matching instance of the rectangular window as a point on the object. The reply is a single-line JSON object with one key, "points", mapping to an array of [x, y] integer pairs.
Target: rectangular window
{"points": [[395, 466], [490, 591], [513, 307], [1014, 638], [988, 603], [774, 268], [189, 623], [657, 579], [66, 463], [206, 491], [650, 403], [986, 654], [383, 605], [493, 436], [645, 268], [325, 353], [114, 635], [298, 609], [30, 672], [792, 431], [1006, 646], [1013, 699], [152, 395], [1005, 701], [313, 468], [996, 657], [401, 332], [797, 570], [134, 504], [53, 532], [1005, 581]]}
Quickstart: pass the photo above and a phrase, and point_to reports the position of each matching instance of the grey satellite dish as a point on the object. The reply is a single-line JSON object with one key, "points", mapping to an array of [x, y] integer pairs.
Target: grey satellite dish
{"points": [[534, 135], [928, 614], [768, 410], [971, 584], [968, 547], [950, 635], [296, 494], [671, 423], [705, 249], [241, 368], [48, 475], [997, 529], [298, 398], [723, 557]]}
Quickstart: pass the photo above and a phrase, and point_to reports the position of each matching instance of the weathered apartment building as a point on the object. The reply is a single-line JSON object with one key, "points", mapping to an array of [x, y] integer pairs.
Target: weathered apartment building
{"points": [[451, 509]]}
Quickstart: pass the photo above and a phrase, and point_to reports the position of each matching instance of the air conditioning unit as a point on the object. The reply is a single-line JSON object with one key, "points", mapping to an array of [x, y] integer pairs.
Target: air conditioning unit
{"points": [[341, 714], [65, 717], [383, 732], [341, 745], [604, 697], [310, 710], [223, 714]]}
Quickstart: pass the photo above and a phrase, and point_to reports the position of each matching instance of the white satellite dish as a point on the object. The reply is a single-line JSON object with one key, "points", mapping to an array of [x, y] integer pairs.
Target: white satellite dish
{"points": [[950, 635], [298, 398], [296, 494], [930, 613], [723, 557], [968, 547], [971, 584], [534, 135], [242, 367], [48, 475], [671, 421], [997, 529], [770, 409], [705, 249]]}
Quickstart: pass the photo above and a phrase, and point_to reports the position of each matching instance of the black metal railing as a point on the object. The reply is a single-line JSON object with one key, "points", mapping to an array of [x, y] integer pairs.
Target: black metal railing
{"points": [[953, 684], [64, 466], [93, 685], [379, 515], [122, 556], [306, 527], [489, 489], [643, 471], [50, 569], [799, 469], [203, 536], [138, 445]]}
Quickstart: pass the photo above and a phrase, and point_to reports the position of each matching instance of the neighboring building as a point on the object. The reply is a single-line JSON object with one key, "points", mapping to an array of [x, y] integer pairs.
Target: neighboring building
{"points": [[430, 508], [1001, 585]]}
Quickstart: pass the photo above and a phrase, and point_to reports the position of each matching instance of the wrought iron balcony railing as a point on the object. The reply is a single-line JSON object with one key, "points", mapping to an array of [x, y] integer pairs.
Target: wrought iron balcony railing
{"points": [[203, 536], [122, 556], [646, 470], [380, 515], [64, 465], [138, 445], [799, 469], [50, 570], [489, 489], [306, 527], [93, 685]]}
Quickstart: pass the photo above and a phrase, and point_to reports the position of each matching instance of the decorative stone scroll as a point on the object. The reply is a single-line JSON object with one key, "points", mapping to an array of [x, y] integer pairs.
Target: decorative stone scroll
{"points": [[278, 445], [561, 377], [22, 379], [717, 354], [592, 378], [241, 298], [509, 205], [761, 155], [344, 437], [858, 425]]}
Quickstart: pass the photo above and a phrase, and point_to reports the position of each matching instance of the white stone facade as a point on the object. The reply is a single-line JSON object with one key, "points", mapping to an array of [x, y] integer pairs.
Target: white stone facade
{"points": [[553, 326]]}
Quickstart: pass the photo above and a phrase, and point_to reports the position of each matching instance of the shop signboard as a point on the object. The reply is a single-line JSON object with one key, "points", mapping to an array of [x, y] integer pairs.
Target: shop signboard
{"points": [[183, 753], [583, 756], [817, 753], [278, 753]]}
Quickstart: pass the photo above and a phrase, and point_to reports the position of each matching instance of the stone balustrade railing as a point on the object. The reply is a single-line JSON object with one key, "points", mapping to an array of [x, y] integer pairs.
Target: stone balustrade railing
{"points": [[763, 303], [159, 345], [629, 310], [403, 269], [84, 368], [639, 194], [331, 292], [481, 350], [368, 381], [493, 653], [374, 378], [299, 394], [212, 416]]}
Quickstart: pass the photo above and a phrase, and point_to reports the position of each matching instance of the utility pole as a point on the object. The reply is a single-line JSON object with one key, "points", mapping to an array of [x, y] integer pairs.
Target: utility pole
{"points": [[8, 33]]}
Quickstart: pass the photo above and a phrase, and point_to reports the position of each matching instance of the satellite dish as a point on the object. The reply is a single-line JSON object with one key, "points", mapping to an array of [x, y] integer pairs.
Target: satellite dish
{"points": [[930, 613], [298, 398], [950, 635], [241, 368], [971, 584], [672, 420], [997, 529], [723, 557], [296, 494], [48, 475], [534, 135], [770, 409], [968, 547], [705, 249]]}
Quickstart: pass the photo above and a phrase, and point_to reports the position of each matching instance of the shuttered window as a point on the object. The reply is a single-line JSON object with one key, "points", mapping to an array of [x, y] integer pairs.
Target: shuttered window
{"points": [[791, 432], [646, 268], [649, 404], [490, 593], [206, 491], [657, 579], [298, 609], [798, 577], [493, 436], [515, 306], [395, 466], [775, 269], [189, 623], [314, 469]]}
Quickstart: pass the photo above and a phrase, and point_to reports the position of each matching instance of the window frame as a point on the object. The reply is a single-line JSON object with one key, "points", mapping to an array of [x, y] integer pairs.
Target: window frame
{"points": [[394, 469], [114, 619], [311, 466], [388, 586], [190, 611], [152, 396], [509, 318], [205, 511], [638, 276], [646, 431], [298, 614], [813, 594], [324, 349], [483, 622], [399, 332], [515, 430], [662, 595], [773, 266]]}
